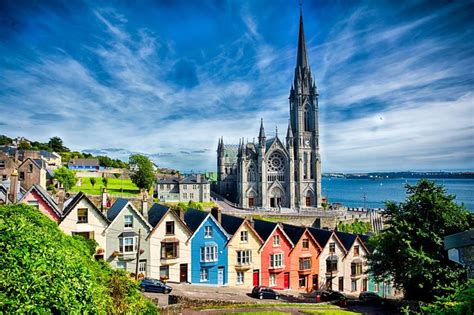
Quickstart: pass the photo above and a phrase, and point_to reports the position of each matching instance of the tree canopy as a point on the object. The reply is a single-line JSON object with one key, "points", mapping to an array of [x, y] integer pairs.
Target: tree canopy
{"points": [[142, 173], [66, 177], [45, 271], [56, 144], [410, 250], [358, 227]]}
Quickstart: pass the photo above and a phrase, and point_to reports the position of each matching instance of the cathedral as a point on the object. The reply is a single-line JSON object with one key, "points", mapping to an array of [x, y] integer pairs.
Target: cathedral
{"points": [[274, 172]]}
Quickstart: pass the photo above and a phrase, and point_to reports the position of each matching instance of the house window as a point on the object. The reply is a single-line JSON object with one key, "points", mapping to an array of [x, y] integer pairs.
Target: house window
{"points": [[272, 280], [30, 168], [121, 264], [2, 164], [82, 215], [162, 186], [185, 196], [4, 177], [244, 257], [34, 203], [191, 195], [208, 231], [185, 187], [240, 277], [204, 275], [376, 287], [331, 265], [302, 281], [305, 243], [341, 284], [164, 272], [209, 253], [170, 228], [167, 186], [142, 266], [356, 269], [22, 176], [244, 236], [276, 240], [169, 250], [128, 221], [354, 285], [305, 263], [332, 247], [128, 244], [86, 235], [276, 260], [356, 250], [364, 285]]}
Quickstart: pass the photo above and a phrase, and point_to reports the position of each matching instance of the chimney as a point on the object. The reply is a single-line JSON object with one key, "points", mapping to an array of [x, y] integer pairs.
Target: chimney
{"points": [[15, 156], [198, 178], [145, 206], [217, 214], [252, 222], [181, 214], [14, 186], [103, 204], [61, 195]]}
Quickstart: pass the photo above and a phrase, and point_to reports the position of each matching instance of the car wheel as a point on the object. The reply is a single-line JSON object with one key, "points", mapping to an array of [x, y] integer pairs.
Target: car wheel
{"points": [[142, 289], [261, 297], [167, 291], [276, 297]]}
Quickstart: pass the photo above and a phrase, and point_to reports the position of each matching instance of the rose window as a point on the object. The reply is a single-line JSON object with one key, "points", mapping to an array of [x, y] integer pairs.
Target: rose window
{"points": [[276, 163]]}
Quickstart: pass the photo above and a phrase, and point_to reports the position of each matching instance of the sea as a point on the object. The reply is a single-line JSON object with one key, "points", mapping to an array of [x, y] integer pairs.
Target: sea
{"points": [[372, 193]]}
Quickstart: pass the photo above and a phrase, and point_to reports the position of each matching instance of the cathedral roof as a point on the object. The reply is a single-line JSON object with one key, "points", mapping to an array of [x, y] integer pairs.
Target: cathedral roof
{"points": [[230, 152]]}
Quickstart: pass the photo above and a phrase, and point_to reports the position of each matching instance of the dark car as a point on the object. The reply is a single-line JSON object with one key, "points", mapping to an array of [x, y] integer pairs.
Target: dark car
{"points": [[367, 296], [332, 296], [262, 292], [154, 285]]}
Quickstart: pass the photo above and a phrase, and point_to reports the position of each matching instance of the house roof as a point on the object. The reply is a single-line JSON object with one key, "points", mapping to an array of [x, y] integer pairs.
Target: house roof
{"points": [[168, 180], [69, 206], [192, 179], [293, 232], [264, 228], [156, 213], [193, 218], [347, 239], [84, 162], [118, 205], [231, 223], [48, 154], [46, 197], [321, 236]]}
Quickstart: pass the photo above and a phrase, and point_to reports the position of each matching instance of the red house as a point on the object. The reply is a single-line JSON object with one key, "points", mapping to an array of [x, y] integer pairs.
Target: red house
{"points": [[275, 254], [38, 197]]}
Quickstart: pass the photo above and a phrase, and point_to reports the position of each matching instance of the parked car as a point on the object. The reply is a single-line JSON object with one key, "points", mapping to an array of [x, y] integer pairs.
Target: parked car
{"points": [[367, 296], [332, 296], [154, 285], [262, 292]]}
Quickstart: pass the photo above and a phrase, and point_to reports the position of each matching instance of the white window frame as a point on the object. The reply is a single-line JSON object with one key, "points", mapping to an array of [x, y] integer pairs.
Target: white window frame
{"points": [[244, 257], [276, 240], [207, 231], [204, 275], [122, 265], [272, 280], [276, 260], [142, 266], [240, 277], [208, 254], [244, 236], [123, 243], [126, 223]]}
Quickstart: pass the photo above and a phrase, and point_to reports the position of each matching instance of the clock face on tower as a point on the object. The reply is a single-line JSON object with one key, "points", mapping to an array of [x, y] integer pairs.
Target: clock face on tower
{"points": [[306, 142]]}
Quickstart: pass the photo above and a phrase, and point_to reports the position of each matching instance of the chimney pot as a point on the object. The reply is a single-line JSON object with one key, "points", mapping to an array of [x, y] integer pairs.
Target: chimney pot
{"points": [[217, 214]]}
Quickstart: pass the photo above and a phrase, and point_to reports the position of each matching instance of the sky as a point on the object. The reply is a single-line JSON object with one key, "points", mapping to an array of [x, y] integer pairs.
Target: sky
{"points": [[168, 78]]}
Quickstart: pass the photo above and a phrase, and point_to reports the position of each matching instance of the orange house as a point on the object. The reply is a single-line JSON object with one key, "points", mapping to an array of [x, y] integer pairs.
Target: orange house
{"points": [[304, 259]]}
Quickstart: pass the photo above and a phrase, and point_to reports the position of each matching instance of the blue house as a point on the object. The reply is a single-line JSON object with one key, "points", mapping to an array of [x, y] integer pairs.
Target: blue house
{"points": [[84, 165], [208, 247]]}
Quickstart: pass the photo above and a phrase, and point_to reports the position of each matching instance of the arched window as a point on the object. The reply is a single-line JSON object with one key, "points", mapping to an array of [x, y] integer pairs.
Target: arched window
{"points": [[251, 174], [307, 119], [276, 167]]}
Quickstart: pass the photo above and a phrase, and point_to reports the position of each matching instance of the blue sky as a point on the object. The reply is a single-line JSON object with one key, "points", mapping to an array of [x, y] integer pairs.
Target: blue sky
{"points": [[168, 78]]}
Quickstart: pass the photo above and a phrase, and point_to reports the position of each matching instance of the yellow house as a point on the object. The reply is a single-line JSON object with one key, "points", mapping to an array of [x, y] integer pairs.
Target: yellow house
{"points": [[244, 259], [170, 253]]}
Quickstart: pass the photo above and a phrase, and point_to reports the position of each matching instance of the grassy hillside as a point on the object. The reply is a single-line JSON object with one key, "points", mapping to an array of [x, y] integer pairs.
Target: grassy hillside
{"points": [[115, 186]]}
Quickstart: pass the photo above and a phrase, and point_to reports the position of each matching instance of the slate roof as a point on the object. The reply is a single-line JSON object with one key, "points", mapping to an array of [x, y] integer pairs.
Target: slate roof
{"points": [[293, 232], [118, 205], [48, 154], [156, 213], [193, 218], [230, 152], [347, 239], [71, 203], [231, 223], [46, 197], [84, 162], [322, 236], [168, 180], [264, 228], [192, 179]]}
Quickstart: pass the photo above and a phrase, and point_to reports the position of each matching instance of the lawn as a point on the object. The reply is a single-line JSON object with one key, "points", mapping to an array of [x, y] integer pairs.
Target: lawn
{"points": [[329, 312], [115, 186], [259, 313]]}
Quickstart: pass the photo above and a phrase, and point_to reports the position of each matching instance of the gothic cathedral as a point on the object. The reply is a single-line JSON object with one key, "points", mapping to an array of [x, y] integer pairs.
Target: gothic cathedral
{"points": [[274, 173]]}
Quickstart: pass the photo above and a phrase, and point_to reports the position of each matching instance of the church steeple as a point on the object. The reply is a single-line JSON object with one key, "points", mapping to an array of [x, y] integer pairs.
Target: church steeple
{"points": [[261, 135], [302, 56], [303, 81]]}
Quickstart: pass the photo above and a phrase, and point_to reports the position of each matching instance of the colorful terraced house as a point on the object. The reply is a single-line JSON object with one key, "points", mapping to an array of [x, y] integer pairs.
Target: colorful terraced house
{"points": [[39, 198], [209, 260], [275, 254], [243, 249]]}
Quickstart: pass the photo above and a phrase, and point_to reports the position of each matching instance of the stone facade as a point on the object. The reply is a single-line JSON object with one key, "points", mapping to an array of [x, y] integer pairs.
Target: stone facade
{"points": [[275, 173], [191, 188], [32, 171]]}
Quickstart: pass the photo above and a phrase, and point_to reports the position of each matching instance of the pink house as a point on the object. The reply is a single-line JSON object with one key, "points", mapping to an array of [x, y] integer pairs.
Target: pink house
{"points": [[39, 198]]}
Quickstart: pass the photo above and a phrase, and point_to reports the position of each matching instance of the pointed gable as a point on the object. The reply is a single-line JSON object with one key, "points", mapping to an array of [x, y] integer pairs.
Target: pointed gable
{"points": [[321, 236], [72, 203], [156, 213], [118, 207], [39, 194]]}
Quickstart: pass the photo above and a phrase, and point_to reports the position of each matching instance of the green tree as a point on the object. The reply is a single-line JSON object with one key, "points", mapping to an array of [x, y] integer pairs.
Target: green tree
{"points": [[105, 181], [66, 177], [141, 171], [410, 250], [56, 144], [24, 145], [5, 140], [93, 181]]}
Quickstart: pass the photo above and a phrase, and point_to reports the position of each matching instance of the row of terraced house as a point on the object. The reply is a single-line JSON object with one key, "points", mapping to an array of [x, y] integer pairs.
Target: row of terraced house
{"points": [[212, 248]]}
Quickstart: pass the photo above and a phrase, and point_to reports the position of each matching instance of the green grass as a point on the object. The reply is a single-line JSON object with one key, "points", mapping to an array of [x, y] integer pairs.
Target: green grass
{"points": [[265, 305], [329, 312], [114, 187], [259, 313], [205, 205]]}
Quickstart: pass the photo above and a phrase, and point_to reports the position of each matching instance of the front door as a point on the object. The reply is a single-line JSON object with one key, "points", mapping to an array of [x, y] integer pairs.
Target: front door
{"points": [[286, 280], [251, 202], [183, 273], [220, 276], [256, 278], [308, 201], [315, 282]]}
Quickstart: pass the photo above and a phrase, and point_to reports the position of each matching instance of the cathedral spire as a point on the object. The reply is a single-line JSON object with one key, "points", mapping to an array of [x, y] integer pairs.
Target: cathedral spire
{"points": [[289, 132], [261, 135], [302, 55]]}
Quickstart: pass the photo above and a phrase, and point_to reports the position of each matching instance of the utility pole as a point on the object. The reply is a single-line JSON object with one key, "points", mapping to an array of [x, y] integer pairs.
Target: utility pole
{"points": [[138, 253]]}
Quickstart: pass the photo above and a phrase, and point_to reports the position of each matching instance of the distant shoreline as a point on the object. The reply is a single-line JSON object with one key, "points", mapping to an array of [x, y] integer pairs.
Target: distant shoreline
{"points": [[401, 175]]}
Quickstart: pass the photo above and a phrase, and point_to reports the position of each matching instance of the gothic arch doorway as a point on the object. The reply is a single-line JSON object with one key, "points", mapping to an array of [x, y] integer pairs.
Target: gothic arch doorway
{"points": [[251, 198], [276, 197], [309, 198]]}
